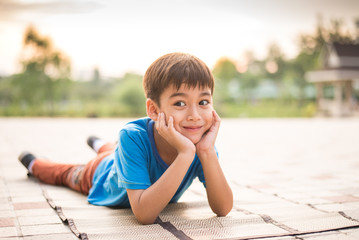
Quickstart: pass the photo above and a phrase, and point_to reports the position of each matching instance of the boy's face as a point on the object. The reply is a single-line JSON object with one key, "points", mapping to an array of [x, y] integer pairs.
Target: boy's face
{"points": [[191, 109]]}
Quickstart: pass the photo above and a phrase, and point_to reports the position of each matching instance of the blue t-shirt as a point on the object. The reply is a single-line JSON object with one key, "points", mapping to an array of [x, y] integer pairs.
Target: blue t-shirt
{"points": [[135, 164]]}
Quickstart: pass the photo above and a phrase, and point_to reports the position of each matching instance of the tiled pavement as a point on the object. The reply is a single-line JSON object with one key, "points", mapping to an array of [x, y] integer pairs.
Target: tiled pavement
{"points": [[291, 178]]}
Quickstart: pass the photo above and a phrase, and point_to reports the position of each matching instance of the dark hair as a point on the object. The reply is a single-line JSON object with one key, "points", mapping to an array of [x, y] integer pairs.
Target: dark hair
{"points": [[176, 69]]}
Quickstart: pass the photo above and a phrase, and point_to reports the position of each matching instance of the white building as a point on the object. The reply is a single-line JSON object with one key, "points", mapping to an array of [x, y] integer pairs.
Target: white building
{"points": [[341, 69]]}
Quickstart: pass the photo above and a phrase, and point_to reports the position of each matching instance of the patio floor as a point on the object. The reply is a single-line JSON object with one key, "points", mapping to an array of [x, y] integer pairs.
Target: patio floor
{"points": [[291, 179]]}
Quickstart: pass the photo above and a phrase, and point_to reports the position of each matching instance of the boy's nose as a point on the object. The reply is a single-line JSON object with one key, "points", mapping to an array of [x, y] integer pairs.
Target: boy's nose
{"points": [[193, 114]]}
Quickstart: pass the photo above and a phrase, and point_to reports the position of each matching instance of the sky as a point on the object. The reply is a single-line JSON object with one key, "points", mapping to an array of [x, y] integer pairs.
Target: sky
{"points": [[118, 36]]}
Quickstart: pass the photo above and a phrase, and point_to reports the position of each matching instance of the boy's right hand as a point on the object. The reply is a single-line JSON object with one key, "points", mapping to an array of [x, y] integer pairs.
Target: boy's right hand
{"points": [[172, 136]]}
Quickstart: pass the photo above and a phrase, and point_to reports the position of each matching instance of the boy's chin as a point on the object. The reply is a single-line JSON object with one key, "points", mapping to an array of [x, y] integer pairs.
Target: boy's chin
{"points": [[195, 140]]}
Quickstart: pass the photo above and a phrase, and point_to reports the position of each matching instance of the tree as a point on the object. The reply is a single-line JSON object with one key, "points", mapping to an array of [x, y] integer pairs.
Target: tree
{"points": [[45, 75], [96, 77], [129, 94], [310, 50], [226, 74], [225, 70], [275, 64]]}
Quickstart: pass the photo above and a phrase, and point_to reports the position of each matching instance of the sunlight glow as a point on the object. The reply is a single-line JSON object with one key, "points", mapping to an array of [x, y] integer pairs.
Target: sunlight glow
{"points": [[121, 36]]}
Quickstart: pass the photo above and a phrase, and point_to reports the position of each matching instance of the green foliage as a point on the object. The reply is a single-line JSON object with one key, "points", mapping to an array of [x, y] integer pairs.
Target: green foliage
{"points": [[45, 76], [130, 96], [271, 87], [225, 70], [226, 76], [269, 108]]}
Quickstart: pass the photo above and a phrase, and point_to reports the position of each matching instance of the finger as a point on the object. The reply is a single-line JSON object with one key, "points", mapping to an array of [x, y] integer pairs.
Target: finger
{"points": [[157, 122], [217, 119], [161, 124], [216, 116], [216, 122], [170, 123], [164, 119]]}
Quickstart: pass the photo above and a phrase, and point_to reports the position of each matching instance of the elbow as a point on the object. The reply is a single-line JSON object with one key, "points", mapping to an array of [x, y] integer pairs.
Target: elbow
{"points": [[224, 210], [146, 220]]}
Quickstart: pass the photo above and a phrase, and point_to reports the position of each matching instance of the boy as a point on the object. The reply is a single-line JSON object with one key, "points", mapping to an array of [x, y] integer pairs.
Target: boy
{"points": [[157, 157]]}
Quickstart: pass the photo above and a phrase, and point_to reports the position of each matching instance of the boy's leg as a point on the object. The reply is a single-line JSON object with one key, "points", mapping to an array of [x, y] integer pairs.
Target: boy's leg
{"points": [[107, 147], [51, 172], [86, 176], [76, 177]]}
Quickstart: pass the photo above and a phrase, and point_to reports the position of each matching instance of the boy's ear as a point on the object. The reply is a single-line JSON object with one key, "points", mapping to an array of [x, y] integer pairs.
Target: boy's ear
{"points": [[152, 109]]}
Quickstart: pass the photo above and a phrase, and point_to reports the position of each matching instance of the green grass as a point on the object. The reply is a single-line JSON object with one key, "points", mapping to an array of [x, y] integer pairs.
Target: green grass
{"points": [[259, 109], [269, 109]]}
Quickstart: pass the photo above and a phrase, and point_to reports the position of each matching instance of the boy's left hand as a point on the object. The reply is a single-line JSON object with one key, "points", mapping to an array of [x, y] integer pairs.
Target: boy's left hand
{"points": [[208, 139]]}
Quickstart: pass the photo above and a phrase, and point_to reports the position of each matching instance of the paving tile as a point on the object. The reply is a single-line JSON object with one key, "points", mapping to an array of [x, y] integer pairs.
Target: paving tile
{"points": [[282, 238], [149, 234], [352, 213], [342, 198], [312, 201], [86, 213], [331, 235], [106, 224], [25, 192], [324, 176], [4, 200], [62, 193], [39, 220], [11, 238], [235, 231], [294, 196], [8, 232], [325, 194], [267, 170], [4, 193], [30, 205], [24, 199], [6, 214], [354, 232], [5, 206], [7, 222], [35, 212], [44, 229], [337, 207], [348, 191], [66, 236], [73, 203], [325, 221]]}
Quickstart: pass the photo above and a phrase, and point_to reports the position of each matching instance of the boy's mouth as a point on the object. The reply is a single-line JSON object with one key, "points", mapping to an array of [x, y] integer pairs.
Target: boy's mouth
{"points": [[192, 128]]}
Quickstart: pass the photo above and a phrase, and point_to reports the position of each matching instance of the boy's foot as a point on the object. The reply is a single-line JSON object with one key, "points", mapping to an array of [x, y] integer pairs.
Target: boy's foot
{"points": [[91, 141], [26, 158]]}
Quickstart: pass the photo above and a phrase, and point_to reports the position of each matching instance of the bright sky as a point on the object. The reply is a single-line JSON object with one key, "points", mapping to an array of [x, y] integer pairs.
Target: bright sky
{"points": [[119, 36]]}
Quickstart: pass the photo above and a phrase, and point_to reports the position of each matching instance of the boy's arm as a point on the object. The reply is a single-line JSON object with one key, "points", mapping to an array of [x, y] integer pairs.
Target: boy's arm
{"points": [[219, 193], [147, 204]]}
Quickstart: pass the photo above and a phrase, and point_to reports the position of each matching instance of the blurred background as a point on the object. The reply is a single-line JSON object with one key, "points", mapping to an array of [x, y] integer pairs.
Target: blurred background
{"points": [[86, 58]]}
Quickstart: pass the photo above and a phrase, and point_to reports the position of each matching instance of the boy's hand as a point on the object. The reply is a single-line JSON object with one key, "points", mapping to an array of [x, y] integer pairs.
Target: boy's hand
{"points": [[172, 136], [208, 139]]}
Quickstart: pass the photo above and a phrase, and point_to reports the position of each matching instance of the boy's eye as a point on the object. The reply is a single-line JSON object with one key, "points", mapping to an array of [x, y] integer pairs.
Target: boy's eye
{"points": [[179, 104], [204, 102]]}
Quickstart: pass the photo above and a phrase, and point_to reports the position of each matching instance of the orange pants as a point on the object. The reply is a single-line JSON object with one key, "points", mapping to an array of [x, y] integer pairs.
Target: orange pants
{"points": [[75, 176]]}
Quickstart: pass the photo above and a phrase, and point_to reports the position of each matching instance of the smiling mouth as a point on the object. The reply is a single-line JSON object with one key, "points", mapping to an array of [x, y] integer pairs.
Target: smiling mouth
{"points": [[193, 129]]}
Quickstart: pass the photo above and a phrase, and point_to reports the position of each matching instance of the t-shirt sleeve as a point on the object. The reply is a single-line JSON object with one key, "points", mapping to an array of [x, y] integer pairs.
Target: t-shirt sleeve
{"points": [[131, 161]]}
